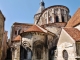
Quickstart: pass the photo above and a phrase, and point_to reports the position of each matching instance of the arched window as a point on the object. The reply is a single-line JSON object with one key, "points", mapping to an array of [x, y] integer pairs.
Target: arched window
{"points": [[25, 53], [63, 19], [57, 19], [19, 31], [65, 55], [15, 32]]}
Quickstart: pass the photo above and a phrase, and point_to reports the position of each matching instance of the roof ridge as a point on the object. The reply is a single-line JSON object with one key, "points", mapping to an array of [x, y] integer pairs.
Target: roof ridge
{"points": [[41, 28], [35, 28], [17, 38]]}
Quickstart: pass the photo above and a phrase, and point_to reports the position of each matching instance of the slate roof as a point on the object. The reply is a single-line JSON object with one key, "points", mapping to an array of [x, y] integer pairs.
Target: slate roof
{"points": [[74, 33], [75, 20]]}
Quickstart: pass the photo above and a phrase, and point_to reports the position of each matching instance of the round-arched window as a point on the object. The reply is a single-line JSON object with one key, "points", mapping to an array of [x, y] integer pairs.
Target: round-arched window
{"points": [[65, 55], [63, 19], [57, 19]]}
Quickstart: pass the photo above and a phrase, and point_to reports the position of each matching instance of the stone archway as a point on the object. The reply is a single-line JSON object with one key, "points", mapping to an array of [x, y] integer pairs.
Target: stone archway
{"points": [[38, 49]]}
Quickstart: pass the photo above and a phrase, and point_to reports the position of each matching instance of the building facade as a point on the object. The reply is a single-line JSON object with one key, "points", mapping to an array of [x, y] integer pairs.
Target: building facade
{"points": [[3, 37], [47, 38]]}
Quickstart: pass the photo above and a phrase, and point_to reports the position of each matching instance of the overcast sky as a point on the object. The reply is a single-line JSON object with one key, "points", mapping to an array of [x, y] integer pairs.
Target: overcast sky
{"points": [[24, 10]]}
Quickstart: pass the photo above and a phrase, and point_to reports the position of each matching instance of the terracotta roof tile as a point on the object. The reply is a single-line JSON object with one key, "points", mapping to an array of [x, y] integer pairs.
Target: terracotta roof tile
{"points": [[74, 20], [35, 28], [74, 33], [60, 24], [18, 38]]}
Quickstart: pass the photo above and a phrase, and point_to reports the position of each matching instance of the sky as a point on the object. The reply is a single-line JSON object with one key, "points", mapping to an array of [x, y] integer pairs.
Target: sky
{"points": [[23, 11]]}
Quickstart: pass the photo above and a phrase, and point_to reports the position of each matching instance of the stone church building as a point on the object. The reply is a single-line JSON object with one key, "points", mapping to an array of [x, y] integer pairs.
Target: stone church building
{"points": [[55, 35]]}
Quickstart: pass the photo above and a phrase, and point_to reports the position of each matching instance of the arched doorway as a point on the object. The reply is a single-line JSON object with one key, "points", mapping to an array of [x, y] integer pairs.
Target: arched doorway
{"points": [[25, 53]]}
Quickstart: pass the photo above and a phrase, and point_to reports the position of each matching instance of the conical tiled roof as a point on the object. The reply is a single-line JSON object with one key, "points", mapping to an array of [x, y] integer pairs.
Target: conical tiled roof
{"points": [[18, 38], [35, 28], [42, 7]]}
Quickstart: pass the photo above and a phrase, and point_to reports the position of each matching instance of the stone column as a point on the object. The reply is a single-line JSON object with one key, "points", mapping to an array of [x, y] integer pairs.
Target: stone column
{"points": [[65, 16], [18, 53], [47, 17], [59, 15], [53, 16]]}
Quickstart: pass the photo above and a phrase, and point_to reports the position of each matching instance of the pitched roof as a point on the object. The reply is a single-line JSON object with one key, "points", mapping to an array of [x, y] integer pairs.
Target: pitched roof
{"points": [[74, 33], [18, 38], [35, 28], [17, 23], [74, 20]]}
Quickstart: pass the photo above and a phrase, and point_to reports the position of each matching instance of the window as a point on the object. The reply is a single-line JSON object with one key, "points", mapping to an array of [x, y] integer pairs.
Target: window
{"points": [[52, 52], [19, 31], [63, 19], [15, 32], [65, 55], [57, 19], [25, 54]]}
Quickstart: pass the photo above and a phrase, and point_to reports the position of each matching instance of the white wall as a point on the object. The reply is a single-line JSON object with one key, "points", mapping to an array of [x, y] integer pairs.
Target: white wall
{"points": [[66, 43]]}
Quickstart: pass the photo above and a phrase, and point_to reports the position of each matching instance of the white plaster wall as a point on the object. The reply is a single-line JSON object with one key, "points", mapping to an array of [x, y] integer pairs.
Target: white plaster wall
{"points": [[70, 48], [65, 37], [78, 27], [66, 43]]}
